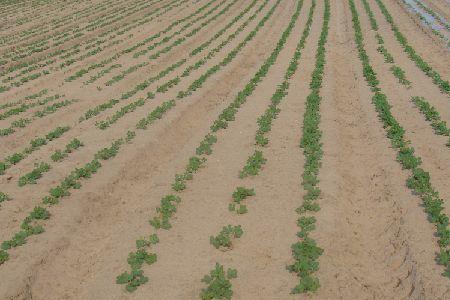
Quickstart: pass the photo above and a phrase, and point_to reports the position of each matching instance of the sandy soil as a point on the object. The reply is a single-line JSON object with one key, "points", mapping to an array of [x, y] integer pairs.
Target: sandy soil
{"points": [[377, 241]]}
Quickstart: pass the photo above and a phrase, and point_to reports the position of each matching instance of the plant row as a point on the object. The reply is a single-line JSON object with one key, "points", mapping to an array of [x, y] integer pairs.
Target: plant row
{"points": [[443, 84], [224, 239], [40, 168], [104, 62], [23, 122], [265, 121], [306, 252], [223, 30], [37, 46], [33, 224], [35, 144], [43, 44], [177, 42], [82, 57], [102, 73], [430, 19], [193, 86], [419, 181], [146, 83], [256, 160], [430, 113], [27, 98], [432, 116], [169, 203], [254, 163], [190, 34], [41, 30], [182, 29], [219, 47], [397, 71], [439, 18]]}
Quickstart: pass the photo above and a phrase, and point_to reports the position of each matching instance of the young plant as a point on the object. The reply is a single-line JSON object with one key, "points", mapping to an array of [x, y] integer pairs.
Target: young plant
{"points": [[165, 212], [218, 284], [132, 280], [147, 242], [34, 175], [4, 197], [195, 163], [305, 253], [107, 153], [240, 194], [59, 131], [387, 56], [400, 74], [205, 145], [254, 164], [58, 155], [4, 256], [432, 116], [130, 136], [73, 145], [224, 239]]}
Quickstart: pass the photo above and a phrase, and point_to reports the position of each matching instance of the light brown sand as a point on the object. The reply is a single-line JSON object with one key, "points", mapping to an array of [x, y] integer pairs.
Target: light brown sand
{"points": [[377, 241]]}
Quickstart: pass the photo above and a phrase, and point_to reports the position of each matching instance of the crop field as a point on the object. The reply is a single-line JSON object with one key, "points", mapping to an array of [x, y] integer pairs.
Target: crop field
{"points": [[224, 149]]}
